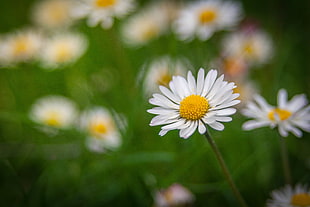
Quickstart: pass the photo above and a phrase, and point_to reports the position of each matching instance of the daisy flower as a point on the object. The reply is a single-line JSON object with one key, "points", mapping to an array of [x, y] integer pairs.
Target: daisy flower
{"points": [[53, 14], [203, 18], [21, 46], [63, 49], [190, 104], [290, 197], [102, 11], [288, 116], [54, 111], [100, 125], [174, 195], [148, 24], [161, 70], [254, 46]]}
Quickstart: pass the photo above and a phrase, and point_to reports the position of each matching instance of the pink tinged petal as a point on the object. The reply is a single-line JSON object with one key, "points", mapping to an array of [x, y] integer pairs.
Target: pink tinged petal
{"points": [[226, 112], [223, 119], [200, 81], [169, 94], [187, 132], [253, 124], [191, 82], [217, 126], [209, 81], [201, 127], [282, 98], [163, 132]]}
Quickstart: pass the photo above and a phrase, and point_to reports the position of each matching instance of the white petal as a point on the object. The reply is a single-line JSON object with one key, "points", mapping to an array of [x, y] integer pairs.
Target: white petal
{"points": [[282, 131], [201, 127], [200, 81], [187, 132], [209, 81], [191, 82], [282, 98], [169, 94], [217, 126], [174, 125], [226, 112], [163, 132], [253, 124], [223, 119]]}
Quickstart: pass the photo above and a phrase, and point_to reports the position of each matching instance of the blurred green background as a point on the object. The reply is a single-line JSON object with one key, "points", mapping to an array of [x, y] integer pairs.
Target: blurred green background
{"points": [[39, 170]]}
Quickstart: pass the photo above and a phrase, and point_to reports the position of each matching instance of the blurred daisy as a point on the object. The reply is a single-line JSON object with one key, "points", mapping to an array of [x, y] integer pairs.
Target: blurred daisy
{"points": [[63, 49], [148, 24], [203, 18], [246, 89], [288, 116], [175, 195], [54, 111], [190, 104], [53, 14], [22, 46], [102, 11], [161, 70], [290, 197], [103, 134], [254, 46]]}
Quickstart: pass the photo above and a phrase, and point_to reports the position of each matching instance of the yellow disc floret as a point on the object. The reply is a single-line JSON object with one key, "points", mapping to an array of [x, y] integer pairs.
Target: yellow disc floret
{"points": [[301, 200], [281, 113], [164, 79], [98, 128], [53, 119], [207, 16], [104, 3], [193, 107]]}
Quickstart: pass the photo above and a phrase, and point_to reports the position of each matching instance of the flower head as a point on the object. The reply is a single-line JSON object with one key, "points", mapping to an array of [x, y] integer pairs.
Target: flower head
{"points": [[174, 195], [288, 116], [190, 104], [102, 11], [63, 49], [54, 111], [290, 197], [203, 18], [100, 125]]}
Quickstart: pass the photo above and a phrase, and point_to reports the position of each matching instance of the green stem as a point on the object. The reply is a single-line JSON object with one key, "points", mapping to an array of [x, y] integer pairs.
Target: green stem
{"points": [[285, 161], [225, 169]]}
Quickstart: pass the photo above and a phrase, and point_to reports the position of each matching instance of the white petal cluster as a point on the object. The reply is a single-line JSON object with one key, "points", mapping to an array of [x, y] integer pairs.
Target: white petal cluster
{"points": [[220, 16], [217, 92], [288, 116]]}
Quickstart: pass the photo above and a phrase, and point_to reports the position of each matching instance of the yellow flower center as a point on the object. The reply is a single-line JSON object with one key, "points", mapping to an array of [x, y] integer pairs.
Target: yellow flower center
{"points": [[281, 113], [98, 128], [104, 3], [57, 12], [164, 79], [63, 53], [53, 119], [149, 32], [193, 107], [301, 200], [20, 46], [207, 16], [249, 49]]}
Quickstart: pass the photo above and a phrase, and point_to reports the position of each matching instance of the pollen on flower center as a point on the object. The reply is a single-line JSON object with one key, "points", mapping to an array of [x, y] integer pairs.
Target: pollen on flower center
{"points": [[281, 113], [98, 128], [207, 16], [193, 107], [301, 200], [104, 3]]}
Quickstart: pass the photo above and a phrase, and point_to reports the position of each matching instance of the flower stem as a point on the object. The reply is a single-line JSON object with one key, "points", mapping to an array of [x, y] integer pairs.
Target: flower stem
{"points": [[285, 161], [225, 169]]}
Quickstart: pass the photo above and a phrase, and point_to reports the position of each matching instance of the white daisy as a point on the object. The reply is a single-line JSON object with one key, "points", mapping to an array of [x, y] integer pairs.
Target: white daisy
{"points": [[148, 24], [254, 46], [62, 49], [203, 18], [54, 111], [161, 70], [190, 104], [21, 46], [174, 195], [100, 125], [53, 14], [290, 197], [102, 11], [288, 116]]}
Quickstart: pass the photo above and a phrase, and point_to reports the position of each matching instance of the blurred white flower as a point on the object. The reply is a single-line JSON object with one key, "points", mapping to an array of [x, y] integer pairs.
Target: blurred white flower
{"points": [[62, 49], [190, 104], [54, 111], [288, 115], [255, 46], [161, 70], [53, 14], [175, 195], [21, 46], [298, 196], [102, 12], [148, 24], [102, 129], [202, 18]]}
